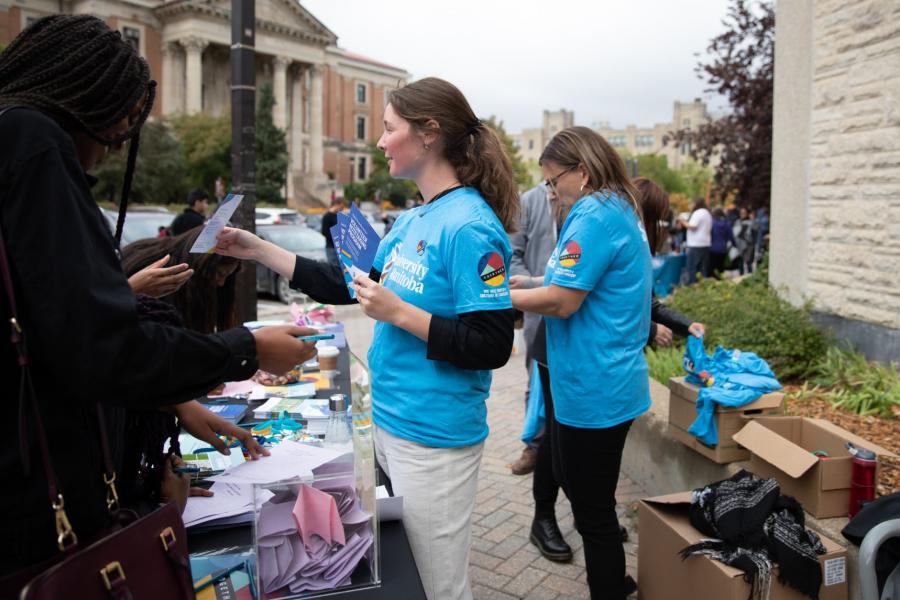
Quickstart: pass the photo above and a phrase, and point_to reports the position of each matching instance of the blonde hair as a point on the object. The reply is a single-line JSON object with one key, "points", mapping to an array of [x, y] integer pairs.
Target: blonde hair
{"points": [[582, 147]]}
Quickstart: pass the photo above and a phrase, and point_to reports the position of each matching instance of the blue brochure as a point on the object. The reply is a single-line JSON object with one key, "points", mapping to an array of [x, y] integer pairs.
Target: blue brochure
{"points": [[360, 242], [343, 255]]}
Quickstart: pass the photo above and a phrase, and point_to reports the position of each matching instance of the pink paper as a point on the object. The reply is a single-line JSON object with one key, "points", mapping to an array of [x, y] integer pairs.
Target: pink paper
{"points": [[316, 512], [235, 388]]}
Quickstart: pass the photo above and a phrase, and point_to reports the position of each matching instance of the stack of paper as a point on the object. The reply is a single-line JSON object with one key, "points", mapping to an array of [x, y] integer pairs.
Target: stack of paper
{"points": [[231, 504], [312, 541]]}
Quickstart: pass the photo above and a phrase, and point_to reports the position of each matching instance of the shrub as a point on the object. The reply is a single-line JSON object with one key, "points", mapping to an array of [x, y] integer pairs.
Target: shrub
{"points": [[858, 385], [750, 316], [664, 363]]}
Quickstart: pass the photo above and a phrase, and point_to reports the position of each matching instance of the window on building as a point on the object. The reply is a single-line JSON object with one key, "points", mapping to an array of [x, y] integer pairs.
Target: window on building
{"points": [[531, 144], [686, 123], [361, 168], [643, 140], [361, 93], [132, 35], [29, 21], [360, 128]]}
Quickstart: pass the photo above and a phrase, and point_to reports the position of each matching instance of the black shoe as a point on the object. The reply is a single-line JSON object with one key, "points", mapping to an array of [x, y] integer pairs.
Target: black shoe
{"points": [[545, 534], [630, 585]]}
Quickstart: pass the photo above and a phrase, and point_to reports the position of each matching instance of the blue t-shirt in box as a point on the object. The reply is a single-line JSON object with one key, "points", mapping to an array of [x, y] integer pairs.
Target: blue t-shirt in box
{"points": [[598, 373], [447, 257]]}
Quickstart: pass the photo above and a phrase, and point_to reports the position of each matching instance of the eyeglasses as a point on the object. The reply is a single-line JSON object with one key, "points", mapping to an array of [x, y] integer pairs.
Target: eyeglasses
{"points": [[551, 183]]}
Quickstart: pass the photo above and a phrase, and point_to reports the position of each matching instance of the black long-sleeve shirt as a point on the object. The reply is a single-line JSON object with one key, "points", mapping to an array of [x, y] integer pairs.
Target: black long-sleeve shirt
{"points": [[475, 340], [671, 318], [83, 335]]}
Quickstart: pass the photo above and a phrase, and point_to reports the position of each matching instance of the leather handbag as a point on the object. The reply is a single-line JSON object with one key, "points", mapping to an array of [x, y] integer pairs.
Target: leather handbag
{"points": [[138, 558]]}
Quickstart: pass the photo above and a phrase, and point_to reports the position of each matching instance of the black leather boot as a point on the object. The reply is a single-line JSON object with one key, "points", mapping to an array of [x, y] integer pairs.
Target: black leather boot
{"points": [[545, 534]]}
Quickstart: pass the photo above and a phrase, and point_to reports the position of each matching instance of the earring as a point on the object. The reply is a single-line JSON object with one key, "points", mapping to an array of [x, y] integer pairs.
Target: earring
{"points": [[425, 146], [581, 189]]}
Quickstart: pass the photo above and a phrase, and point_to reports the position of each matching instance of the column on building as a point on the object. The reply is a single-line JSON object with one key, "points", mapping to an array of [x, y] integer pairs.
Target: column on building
{"points": [[171, 78], [193, 47], [295, 132], [316, 140], [279, 90]]}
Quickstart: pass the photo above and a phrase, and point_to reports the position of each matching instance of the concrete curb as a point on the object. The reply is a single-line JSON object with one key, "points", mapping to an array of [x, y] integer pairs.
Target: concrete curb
{"points": [[660, 464]]}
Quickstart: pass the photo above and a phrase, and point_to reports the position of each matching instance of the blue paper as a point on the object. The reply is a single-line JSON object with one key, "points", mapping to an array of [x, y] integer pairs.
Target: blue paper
{"points": [[360, 241]]}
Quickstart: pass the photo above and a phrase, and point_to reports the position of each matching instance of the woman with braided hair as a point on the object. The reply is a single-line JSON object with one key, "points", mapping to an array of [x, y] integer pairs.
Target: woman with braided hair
{"points": [[70, 90]]}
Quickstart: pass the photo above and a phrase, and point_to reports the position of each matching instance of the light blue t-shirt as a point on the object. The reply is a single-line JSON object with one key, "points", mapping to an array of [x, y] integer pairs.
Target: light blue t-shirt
{"points": [[447, 257], [598, 373]]}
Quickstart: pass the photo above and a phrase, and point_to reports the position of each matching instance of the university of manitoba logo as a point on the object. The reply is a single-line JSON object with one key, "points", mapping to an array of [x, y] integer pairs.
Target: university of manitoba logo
{"points": [[570, 255], [491, 269], [420, 247]]}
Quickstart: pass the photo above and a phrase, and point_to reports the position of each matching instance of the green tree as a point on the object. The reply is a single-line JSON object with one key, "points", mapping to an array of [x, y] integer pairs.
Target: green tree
{"points": [[271, 150], [354, 192], [380, 183], [206, 146], [158, 174], [695, 177], [520, 169]]}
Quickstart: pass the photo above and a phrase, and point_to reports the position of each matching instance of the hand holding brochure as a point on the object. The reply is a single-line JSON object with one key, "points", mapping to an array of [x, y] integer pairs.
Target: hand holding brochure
{"points": [[356, 244], [206, 241]]}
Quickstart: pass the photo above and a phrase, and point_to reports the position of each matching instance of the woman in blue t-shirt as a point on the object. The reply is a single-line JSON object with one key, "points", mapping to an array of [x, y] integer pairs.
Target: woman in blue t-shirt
{"points": [[439, 291], [596, 300]]}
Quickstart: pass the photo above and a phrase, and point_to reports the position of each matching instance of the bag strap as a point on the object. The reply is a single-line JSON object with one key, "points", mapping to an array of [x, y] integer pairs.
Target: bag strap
{"points": [[66, 537]]}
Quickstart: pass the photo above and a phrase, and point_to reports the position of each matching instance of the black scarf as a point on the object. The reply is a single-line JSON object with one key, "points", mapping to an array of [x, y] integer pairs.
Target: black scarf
{"points": [[756, 527]]}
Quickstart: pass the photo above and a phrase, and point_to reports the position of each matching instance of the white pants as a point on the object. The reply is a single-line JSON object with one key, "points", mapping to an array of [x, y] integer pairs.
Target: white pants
{"points": [[438, 487]]}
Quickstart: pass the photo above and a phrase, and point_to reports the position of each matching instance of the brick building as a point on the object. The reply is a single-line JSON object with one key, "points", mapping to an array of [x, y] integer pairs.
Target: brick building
{"points": [[329, 101]]}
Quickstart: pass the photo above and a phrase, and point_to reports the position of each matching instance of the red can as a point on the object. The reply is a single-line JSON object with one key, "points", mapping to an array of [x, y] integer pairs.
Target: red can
{"points": [[862, 481]]}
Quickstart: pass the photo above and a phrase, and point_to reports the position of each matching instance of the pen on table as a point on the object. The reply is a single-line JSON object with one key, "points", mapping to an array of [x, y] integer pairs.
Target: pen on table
{"points": [[217, 576]]}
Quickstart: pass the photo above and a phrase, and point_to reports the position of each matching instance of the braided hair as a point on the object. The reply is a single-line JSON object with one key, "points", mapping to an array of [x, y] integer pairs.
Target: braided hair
{"points": [[83, 74]]}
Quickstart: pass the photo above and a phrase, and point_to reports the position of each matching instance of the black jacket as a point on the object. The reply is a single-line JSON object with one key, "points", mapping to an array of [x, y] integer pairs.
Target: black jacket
{"points": [[186, 221], [82, 331], [671, 318]]}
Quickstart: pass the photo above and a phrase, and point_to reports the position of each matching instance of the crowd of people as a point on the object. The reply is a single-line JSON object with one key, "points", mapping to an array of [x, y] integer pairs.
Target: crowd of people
{"points": [[139, 334]]}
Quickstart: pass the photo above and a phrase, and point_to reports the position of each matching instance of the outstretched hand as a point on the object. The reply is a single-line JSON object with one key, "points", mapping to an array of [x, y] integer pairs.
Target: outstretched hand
{"points": [[158, 281], [238, 243]]}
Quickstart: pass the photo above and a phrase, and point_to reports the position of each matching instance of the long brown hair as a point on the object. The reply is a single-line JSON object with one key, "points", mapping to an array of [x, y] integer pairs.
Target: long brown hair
{"points": [[203, 305], [654, 203], [474, 150], [582, 147]]}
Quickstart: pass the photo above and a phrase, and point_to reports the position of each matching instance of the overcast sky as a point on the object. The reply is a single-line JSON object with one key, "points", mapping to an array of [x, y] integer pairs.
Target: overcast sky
{"points": [[621, 61]]}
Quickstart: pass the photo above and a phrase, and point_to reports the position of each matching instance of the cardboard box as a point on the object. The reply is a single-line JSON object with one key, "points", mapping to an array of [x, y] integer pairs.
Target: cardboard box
{"points": [[662, 575], [683, 412], [782, 447]]}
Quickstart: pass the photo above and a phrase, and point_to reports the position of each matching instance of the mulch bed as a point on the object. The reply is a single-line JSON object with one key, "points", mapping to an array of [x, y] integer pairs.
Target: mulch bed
{"points": [[884, 432]]}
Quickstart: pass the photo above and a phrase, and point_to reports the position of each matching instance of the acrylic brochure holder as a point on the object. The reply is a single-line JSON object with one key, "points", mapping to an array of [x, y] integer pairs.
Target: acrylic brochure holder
{"points": [[315, 536]]}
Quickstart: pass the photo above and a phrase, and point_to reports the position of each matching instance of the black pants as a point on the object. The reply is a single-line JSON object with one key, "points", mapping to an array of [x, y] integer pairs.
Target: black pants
{"points": [[544, 487], [697, 262], [717, 263], [586, 464]]}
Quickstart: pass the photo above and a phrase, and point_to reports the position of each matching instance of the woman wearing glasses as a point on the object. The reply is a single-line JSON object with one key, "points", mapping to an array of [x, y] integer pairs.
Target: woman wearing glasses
{"points": [[443, 311], [596, 300]]}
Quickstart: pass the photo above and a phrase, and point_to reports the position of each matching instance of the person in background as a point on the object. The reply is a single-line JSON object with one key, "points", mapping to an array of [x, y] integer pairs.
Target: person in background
{"points": [[532, 246], [762, 233], [720, 238], [72, 90], [329, 220], [699, 231], [444, 317], [665, 321], [195, 213], [745, 239], [595, 297]]}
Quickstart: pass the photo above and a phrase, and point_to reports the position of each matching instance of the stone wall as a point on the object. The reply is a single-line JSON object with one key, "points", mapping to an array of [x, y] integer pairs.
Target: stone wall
{"points": [[836, 159], [854, 184]]}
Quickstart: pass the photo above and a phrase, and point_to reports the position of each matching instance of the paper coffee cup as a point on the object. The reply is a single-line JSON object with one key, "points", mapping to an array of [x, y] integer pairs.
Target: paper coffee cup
{"points": [[328, 357]]}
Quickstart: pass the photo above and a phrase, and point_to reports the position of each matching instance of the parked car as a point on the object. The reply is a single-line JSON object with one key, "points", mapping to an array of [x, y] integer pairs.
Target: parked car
{"points": [[296, 239], [278, 216], [314, 221], [140, 222]]}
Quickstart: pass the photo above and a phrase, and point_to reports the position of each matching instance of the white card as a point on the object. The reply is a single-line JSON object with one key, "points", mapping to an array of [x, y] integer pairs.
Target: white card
{"points": [[206, 241]]}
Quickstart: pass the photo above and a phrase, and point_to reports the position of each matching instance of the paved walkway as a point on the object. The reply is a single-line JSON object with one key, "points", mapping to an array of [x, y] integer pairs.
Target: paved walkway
{"points": [[503, 564]]}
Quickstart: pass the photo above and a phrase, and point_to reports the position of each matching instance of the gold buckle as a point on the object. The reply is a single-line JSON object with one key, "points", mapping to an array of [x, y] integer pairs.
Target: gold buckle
{"points": [[168, 538], [105, 572], [112, 496], [65, 535]]}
